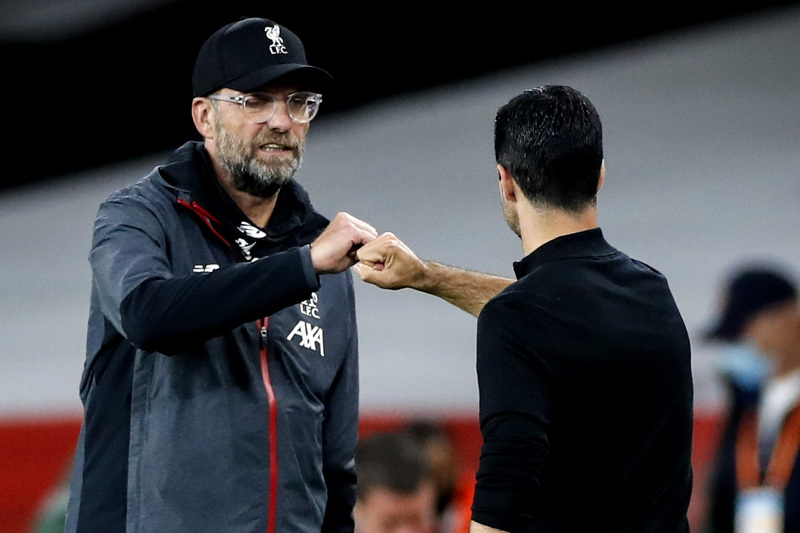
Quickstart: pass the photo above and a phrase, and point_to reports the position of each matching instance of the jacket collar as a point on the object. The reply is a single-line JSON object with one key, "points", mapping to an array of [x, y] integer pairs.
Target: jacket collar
{"points": [[190, 171]]}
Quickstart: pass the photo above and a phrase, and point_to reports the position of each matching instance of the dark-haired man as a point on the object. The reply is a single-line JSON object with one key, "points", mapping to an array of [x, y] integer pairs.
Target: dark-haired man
{"points": [[583, 362]]}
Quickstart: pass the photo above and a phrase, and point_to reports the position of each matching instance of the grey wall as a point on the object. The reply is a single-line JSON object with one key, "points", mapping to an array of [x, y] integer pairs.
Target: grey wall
{"points": [[702, 136]]}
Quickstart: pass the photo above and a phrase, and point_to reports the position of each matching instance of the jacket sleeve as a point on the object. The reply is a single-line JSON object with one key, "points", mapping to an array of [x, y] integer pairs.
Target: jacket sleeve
{"points": [[159, 311], [515, 415], [340, 433]]}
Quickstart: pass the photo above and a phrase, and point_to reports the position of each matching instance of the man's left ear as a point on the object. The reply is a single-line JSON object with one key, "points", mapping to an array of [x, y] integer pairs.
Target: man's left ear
{"points": [[202, 117], [507, 190]]}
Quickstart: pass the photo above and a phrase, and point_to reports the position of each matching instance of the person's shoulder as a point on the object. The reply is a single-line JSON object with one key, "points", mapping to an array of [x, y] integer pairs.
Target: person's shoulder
{"points": [[646, 268], [148, 199], [513, 318], [510, 301], [151, 188]]}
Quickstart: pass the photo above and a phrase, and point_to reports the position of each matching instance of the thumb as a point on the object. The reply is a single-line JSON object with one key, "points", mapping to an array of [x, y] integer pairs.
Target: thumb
{"points": [[371, 264], [364, 271], [368, 271]]}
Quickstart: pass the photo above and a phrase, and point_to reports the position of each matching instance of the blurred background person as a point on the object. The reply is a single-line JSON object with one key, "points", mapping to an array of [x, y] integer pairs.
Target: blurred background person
{"points": [[755, 484], [396, 488], [51, 514], [454, 484]]}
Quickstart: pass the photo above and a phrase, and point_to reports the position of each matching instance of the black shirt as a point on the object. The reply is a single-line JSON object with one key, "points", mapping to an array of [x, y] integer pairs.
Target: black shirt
{"points": [[586, 391]]}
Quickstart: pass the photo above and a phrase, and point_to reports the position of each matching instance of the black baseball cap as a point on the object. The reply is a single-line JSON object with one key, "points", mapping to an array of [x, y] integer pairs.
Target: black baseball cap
{"points": [[750, 291], [252, 52]]}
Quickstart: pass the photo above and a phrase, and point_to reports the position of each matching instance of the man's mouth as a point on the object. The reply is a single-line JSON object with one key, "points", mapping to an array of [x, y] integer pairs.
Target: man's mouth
{"points": [[275, 147]]}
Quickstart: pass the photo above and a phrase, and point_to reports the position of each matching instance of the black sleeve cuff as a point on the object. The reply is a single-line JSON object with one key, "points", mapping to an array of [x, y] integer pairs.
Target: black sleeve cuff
{"points": [[308, 268], [502, 522]]}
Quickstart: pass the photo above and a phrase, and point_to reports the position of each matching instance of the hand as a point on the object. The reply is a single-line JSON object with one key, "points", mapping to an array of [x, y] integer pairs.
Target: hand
{"points": [[335, 249], [388, 263]]}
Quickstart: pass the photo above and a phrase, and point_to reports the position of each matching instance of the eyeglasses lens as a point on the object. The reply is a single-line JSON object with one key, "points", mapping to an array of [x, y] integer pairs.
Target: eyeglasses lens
{"points": [[302, 107]]}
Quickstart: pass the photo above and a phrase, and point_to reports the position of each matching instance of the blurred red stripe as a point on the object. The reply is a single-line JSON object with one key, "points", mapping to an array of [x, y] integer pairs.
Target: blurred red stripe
{"points": [[36, 454]]}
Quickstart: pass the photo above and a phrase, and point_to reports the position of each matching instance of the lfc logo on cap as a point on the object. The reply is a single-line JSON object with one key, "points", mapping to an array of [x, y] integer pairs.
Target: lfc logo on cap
{"points": [[274, 34]]}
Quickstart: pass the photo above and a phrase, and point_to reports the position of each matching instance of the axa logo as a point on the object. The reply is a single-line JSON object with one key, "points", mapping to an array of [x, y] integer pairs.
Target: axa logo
{"points": [[311, 336], [274, 34], [205, 268]]}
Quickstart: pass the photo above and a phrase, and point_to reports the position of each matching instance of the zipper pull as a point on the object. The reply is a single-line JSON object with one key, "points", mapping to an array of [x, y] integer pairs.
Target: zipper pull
{"points": [[263, 330]]}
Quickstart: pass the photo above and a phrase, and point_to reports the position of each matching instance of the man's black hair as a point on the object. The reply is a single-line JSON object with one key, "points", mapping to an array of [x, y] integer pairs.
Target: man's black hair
{"points": [[551, 141]]}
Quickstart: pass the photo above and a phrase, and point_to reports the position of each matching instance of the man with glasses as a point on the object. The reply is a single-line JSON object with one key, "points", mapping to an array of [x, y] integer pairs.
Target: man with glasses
{"points": [[221, 381]]}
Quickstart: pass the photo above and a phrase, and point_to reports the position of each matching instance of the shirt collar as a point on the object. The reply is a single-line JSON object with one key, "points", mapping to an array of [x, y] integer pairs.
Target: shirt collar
{"points": [[588, 243]]}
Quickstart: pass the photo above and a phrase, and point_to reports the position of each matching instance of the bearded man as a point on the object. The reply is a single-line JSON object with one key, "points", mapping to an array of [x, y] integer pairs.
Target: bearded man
{"points": [[221, 380]]}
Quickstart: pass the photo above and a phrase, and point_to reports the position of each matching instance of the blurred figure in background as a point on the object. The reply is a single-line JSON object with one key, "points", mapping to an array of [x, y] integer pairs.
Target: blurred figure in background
{"points": [[396, 488], [755, 485], [454, 486], [51, 515]]}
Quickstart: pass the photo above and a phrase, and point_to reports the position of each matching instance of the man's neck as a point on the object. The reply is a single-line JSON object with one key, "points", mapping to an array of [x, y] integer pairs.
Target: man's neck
{"points": [[538, 226]]}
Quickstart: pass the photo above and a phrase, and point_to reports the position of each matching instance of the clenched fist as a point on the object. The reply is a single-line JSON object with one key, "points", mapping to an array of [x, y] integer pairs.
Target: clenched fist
{"points": [[388, 263], [335, 249]]}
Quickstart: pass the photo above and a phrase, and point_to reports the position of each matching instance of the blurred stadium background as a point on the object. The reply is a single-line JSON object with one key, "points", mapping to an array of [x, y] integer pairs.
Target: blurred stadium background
{"points": [[702, 125]]}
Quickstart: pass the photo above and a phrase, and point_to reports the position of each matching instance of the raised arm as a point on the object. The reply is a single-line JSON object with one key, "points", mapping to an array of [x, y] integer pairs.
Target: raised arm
{"points": [[389, 263], [161, 310]]}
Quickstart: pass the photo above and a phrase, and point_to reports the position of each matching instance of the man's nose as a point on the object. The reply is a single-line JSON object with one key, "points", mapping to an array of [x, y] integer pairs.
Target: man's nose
{"points": [[280, 120]]}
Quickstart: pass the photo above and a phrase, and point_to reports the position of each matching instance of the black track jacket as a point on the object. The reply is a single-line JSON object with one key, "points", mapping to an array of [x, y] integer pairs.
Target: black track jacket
{"points": [[221, 379]]}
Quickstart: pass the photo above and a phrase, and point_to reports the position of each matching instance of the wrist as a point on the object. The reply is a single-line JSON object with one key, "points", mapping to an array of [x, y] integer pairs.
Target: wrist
{"points": [[427, 277]]}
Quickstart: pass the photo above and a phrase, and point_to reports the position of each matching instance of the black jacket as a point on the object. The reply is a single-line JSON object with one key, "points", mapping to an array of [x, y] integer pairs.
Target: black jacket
{"points": [[221, 377]]}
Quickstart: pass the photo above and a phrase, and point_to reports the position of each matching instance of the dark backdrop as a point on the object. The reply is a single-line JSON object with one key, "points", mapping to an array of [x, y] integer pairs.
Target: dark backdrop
{"points": [[122, 89]]}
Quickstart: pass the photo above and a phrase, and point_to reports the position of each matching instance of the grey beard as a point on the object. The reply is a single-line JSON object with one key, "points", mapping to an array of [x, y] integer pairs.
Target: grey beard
{"points": [[252, 178], [247, 173]]}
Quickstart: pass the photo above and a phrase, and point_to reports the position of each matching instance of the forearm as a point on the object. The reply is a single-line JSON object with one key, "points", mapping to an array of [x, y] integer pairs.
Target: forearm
{"points": [[466, 289], [388, 263], [161, 314]]}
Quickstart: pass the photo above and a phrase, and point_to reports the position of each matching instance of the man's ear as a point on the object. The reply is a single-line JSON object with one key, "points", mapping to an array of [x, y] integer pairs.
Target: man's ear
{"points": [[507, 185], [203, 117]]}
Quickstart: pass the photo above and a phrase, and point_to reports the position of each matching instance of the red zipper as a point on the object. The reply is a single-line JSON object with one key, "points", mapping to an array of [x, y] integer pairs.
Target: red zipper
{"points": [[205, 216], [273, 428], [208, 218]]}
